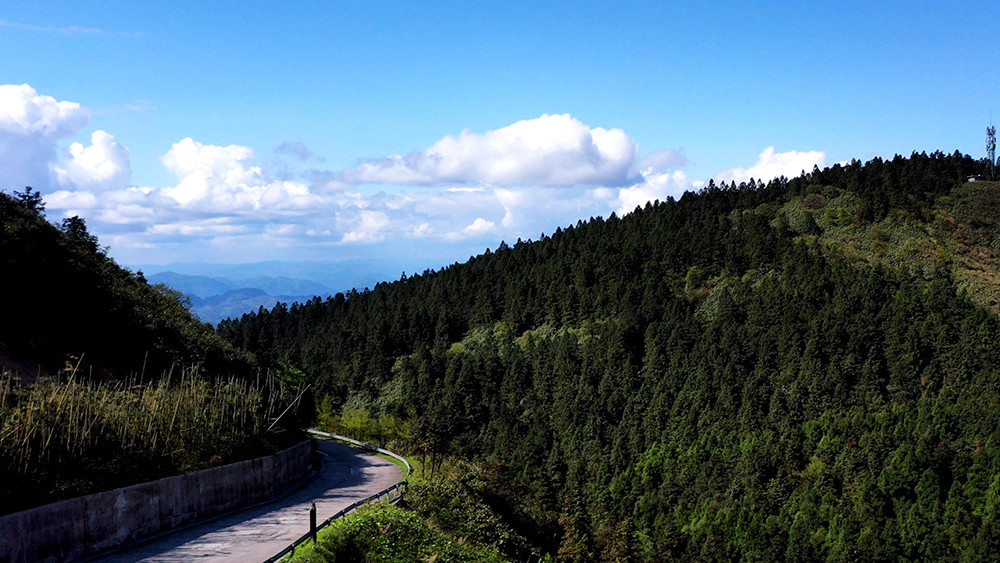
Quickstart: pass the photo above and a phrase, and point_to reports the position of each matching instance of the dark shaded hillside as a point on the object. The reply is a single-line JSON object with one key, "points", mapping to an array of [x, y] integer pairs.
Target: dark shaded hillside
{"points": [[808, 369], [90, 328], [66, 299]]}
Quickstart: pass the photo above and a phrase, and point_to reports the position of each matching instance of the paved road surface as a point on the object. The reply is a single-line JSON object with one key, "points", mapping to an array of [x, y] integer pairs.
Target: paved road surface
{"points": [[254, 534]]}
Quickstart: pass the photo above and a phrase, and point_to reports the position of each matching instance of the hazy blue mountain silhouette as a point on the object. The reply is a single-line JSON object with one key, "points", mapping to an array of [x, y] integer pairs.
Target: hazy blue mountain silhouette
{"points": [[214, 299]]}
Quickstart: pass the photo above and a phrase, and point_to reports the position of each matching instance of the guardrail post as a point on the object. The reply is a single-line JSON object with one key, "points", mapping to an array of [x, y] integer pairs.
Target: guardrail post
{"points": [[312, 522], [391, 494]]}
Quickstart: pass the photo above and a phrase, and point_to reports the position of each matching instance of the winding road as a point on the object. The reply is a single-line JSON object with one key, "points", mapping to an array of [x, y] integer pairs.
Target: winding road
{"points": [[256, 533]]}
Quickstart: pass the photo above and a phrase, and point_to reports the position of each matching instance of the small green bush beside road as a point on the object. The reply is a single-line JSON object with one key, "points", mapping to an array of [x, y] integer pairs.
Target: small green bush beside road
{"points": [[390, 534]]}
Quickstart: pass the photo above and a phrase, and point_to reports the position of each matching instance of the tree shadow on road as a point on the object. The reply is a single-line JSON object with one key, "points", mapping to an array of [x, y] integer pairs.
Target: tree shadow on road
{"points": [[347, 476]]}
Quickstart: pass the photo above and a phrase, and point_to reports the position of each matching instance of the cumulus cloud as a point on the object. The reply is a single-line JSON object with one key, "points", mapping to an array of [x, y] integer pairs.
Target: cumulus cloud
{"points": [[552, 150], [420, 231], [482, 186], [24, 111], [65, 199], [661, 160], [188, 157], [480, 227], [772, 165], [104, 165], [511, 200], [211, 172], [368, 228], [31, 126], [221, 179], [654, 187], [527, 211]]}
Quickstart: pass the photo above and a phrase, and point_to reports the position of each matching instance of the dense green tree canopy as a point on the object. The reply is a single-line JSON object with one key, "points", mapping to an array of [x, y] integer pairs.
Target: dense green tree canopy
{"points": [[801, 370]]}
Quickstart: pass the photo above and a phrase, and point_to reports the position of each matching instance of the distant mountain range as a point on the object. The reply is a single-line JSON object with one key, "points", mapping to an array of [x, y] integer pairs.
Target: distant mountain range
{"points": [[205, 286], [216, 298], [218, 291]]}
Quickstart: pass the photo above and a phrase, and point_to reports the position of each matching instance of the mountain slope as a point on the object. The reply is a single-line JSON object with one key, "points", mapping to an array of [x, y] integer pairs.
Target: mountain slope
{"points": [[68, 302], [808, 369], [193, 286], [133, 388]]}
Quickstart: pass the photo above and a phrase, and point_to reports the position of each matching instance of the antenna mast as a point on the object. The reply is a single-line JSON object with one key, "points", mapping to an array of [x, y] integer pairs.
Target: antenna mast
{"points": [[991, 148]]}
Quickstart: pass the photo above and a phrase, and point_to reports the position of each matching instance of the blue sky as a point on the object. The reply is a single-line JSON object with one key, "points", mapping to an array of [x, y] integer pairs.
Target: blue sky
{"points": [[409, 134]]}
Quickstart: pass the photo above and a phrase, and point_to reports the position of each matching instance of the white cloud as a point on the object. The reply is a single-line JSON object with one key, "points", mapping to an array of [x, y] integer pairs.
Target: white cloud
{"points": [[281, 229], [486, 187], [368, 228], [529, 211], [772, 165], [661, 160], [188, 157], [104, 165], [127, 214], [421, 230], [64, 30], [31, 126], [510, 200], [552, 150], [603, 193], [653, 187], [480, 227], [210, 172], [207, 227], [220, 179], [65, 199], [24, 111], [660, 185]]}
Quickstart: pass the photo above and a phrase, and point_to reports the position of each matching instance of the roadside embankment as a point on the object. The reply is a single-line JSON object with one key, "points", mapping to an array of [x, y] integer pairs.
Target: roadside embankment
{"points": [[82, 526]]}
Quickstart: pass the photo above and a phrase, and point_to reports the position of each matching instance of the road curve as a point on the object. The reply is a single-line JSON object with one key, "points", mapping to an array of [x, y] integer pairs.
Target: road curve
{"points": [[256, 533]]}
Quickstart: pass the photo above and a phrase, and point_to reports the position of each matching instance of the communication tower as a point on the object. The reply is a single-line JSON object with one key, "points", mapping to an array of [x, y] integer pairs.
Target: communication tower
{"points": [[991, 148]]}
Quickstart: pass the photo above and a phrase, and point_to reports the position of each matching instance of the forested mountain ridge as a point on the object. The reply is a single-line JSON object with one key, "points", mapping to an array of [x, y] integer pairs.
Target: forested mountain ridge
{"points": [[132, 387], [67, 300], [807, 369]]}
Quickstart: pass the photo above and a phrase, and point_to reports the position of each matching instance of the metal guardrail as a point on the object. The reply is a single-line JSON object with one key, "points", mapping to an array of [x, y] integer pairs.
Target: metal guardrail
{"points": [[363, 445], [391, 494]]}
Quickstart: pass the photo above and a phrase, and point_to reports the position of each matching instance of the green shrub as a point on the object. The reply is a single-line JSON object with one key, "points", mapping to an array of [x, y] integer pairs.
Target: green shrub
{"points": [[390, 534]]}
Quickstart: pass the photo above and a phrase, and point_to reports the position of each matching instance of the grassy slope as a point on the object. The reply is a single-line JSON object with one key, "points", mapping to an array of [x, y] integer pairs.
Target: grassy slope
{"points": [[958, 238], [443, 518]]}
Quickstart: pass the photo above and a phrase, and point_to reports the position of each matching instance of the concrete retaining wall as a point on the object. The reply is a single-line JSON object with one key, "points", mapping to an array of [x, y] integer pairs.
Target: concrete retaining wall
{"points": [[82, 526]]}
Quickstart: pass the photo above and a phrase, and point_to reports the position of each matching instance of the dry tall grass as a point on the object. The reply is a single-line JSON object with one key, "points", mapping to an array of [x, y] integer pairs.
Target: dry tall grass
{"points": [[66, 437]]}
